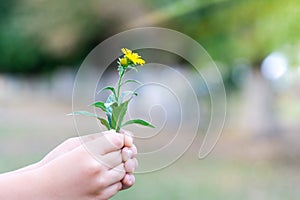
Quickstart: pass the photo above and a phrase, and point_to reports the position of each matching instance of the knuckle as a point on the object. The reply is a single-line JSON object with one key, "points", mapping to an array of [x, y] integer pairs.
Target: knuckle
{"points": [[119, 157], [101, 182], [122, 170], [92, 169], [118, 141], [89, 165], [81, 153], [115, 139]]}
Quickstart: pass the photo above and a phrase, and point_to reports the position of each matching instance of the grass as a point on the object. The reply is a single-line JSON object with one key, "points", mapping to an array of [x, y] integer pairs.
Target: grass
{"points": [[213, 180]]}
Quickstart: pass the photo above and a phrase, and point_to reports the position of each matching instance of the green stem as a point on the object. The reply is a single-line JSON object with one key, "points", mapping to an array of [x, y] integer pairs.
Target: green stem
{"points": [[119, 85]]}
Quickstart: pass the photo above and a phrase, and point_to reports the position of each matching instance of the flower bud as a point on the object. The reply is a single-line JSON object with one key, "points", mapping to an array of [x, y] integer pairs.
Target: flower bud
{"points": [[123, 62]]}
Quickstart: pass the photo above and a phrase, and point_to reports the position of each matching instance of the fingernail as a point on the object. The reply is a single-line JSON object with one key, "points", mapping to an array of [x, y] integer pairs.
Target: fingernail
{"points": [[125, 154], [131, 179], [134, 149], [129, 153]]}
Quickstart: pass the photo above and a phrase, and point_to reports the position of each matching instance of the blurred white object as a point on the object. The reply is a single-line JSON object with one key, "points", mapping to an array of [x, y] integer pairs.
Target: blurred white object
{"points": [[274, 66]]}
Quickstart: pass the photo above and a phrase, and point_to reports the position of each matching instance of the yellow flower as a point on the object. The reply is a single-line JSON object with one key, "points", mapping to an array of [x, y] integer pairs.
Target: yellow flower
{"points": [[133, 57], [123, 61]]}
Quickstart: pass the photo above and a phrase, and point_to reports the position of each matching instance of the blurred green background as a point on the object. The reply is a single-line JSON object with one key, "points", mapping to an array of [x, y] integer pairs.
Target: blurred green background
{"points": [[255, 44]]}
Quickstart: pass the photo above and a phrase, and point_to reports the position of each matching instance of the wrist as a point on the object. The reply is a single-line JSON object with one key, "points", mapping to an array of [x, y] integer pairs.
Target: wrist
{"points": [[27, 168], [24, 169], [41, 182]]}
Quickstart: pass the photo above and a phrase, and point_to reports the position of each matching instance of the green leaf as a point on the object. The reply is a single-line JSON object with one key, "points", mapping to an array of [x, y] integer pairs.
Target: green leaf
{"points": [[109, 114], [110, 99], [118, 113], [109, 102], [88, 114], [138, 121], [107, 105], [85, 113], [109, 118], [125, 94], [131, 81], [100, 105], [132, 67], [108, 88], [104, 122]]}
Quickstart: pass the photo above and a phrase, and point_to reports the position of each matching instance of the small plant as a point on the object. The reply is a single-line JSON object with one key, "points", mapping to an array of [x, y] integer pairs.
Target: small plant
{"points": [[117, 102]]}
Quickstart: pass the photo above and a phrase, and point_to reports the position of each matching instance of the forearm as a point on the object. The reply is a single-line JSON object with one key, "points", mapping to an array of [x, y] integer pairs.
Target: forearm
{"points": [[24, 169], [21, 185]]}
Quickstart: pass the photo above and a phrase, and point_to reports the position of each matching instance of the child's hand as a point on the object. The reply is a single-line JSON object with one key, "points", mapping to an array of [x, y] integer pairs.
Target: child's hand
{"points": [[128, 152], [71, 172], [74, 174]]}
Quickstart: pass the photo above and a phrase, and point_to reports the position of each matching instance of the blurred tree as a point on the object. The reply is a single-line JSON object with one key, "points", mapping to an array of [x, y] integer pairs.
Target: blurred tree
{"points": [[243, 29], [37, 36], [40, 35]]}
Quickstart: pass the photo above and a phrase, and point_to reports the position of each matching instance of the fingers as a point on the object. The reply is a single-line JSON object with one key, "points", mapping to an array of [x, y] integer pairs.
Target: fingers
{"points": [[116, 153], [128, 138], [90, 137], [128, 141], [111, 190], [128, 181], [112, 152], [111, 160], [130, 165], [127, 154], [134, 150], [115, 175], [107, 143]]}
